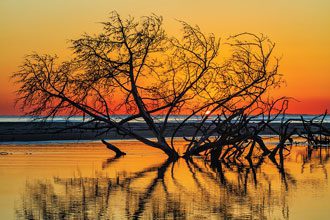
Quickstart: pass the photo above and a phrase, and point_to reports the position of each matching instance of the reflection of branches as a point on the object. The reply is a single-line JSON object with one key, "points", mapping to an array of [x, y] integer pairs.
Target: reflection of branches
{"points": [[151, 188], [322, 158], [197, 182], [108, 162], [234, 189], [159, 192], [285, 176]]}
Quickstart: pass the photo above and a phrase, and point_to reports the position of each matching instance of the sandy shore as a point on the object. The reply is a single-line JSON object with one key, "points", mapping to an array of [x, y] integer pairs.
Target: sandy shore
{"points": [[23, 131]]}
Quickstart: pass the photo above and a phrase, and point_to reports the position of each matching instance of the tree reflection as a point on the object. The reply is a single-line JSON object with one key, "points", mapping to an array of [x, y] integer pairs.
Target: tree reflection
{"points": [[180, 189]]}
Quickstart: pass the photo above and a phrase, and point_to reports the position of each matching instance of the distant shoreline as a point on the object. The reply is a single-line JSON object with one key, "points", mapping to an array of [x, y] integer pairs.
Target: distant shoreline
{"points": [[35, 131]]}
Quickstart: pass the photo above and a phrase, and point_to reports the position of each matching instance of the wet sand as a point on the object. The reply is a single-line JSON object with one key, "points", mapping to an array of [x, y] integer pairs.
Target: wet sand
{"points": [[36, 131]]}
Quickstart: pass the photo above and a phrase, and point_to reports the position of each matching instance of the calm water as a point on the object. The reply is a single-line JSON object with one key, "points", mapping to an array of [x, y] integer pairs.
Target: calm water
{"points": [[83, 181]]}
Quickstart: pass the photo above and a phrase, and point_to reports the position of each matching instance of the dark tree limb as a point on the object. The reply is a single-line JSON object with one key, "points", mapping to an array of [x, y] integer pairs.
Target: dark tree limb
{"points": [[115, 149]]}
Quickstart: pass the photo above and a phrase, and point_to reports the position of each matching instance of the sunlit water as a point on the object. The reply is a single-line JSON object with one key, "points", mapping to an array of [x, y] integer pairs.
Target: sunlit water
{"points": [[83, 181]]}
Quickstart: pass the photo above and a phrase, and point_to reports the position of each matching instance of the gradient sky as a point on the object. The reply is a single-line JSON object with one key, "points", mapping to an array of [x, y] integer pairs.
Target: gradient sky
{"points": [[301, 30]]}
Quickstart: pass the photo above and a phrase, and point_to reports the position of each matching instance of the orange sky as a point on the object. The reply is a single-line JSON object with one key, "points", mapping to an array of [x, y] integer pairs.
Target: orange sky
{"points": [[299, 28]]}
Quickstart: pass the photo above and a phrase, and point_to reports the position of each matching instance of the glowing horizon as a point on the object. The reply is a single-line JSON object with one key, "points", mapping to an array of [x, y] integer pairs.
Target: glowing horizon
{"points": [[299, 29]]}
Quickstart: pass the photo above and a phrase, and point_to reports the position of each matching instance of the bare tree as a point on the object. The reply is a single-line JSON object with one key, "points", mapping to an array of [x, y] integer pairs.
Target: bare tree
{"points": [[315, 130], [135, 67]]}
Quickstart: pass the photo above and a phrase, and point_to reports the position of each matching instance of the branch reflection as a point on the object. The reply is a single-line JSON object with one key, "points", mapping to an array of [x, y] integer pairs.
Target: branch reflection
{"points": [[184, 189]]}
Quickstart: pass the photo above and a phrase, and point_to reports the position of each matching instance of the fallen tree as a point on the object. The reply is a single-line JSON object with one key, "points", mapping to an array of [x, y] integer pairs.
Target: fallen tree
{"points": [[133, 66]]}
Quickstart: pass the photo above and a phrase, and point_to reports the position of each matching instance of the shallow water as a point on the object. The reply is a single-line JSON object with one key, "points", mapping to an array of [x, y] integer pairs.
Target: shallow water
{"points": [[84, 181]]}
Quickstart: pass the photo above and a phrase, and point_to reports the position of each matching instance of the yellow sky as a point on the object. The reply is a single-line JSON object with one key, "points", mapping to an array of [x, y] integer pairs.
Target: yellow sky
{"points": [[301, 30]]}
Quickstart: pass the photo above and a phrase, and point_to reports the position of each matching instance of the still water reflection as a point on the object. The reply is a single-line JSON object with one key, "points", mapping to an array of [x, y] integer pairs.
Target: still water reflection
{"points": [[83, 181]]}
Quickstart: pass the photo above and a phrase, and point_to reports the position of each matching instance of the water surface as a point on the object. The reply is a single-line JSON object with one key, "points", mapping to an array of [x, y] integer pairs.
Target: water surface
{"points": [[84, 181]]}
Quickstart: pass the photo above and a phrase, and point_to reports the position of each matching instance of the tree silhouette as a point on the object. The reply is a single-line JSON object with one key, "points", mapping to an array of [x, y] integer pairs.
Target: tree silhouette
{"points": [[133, 66]]}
